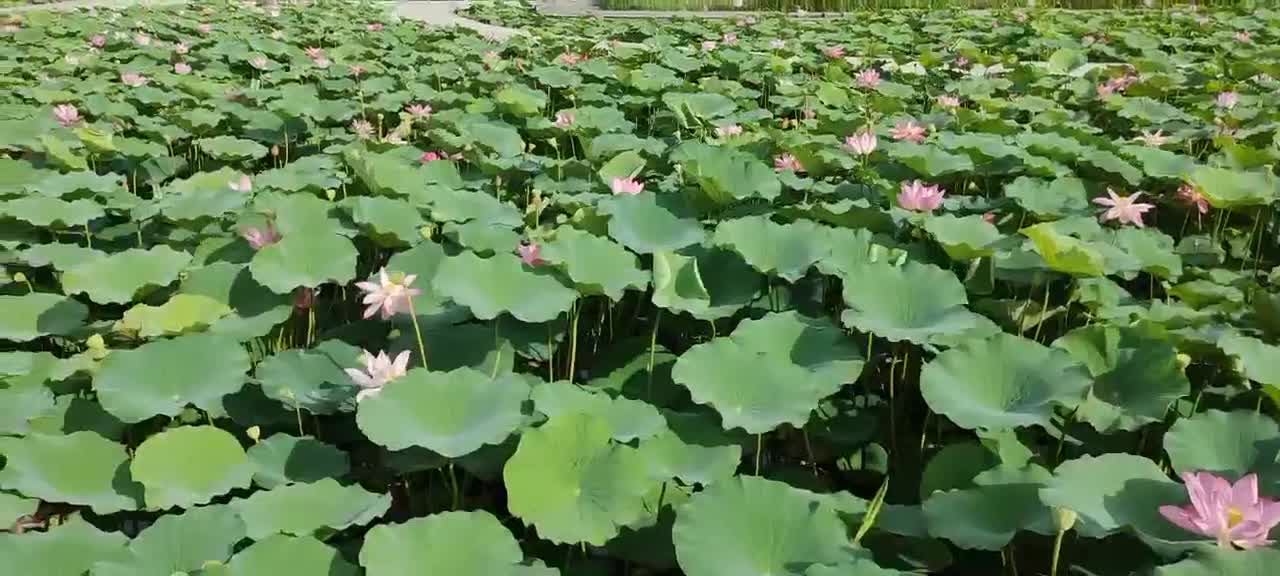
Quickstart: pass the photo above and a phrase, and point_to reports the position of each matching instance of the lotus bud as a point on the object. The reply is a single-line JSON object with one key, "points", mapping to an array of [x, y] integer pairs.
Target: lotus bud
{"points": [[331, 194], [19, 277], [96, 343], [254, 433], [1184, 360], [1064, 518]]}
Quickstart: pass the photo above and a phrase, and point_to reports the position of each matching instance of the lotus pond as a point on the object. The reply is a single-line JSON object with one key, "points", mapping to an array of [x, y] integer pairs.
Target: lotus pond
{"points": [[307, 290]]}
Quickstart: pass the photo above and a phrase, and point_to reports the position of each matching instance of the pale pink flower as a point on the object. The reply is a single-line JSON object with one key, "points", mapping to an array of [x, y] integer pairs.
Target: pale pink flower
{"points": [[728, 131], [869, 78], [948, 101], [181, 48], [430, 157], [1105, 90], [915, 195], [1244, 36], [833, 52], [570, 58], [628, 186], [362, 128], [322, 62], [863, 143], [1122, 83], [66, 114], [205, 28], [314, 52], [530, 253], [729, 39], [777, 44], [1123, 209], [419, 111], [259, 62], [708, 45], [564, 120], [1154, 139], [133, 79], [378, 371], [1192, 196], [391, 294], [141, 39], [357, 70], [98, 41], [241, 184], [961, 62], [908, 130], [374, 27], [1232, 514], [181, 68], [260, 237], [989, 217], [787, 163], [1228, 100]]}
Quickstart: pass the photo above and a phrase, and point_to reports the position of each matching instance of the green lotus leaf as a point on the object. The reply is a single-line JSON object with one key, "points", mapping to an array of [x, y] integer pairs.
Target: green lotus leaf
{"points": [[963, 238], [915, 302], [283, 459], [31, 316], [1064, 60], [221, 466], [13, 507], [1056, 198], [300, 215], [1065, 253], [491, 286], [568, 480], [162, 377], [955, 466], [1217, 562], [69, 549], [456, 205], [67, 414], [628, 419], [1136, 377], [388, 218], [646, 224], [80, 468], [179, 543], [727, 175], [231, 148], [1157, 163], [858, 567], [19, 405], [929, 160], [696, 108], [987, 516], [1258, 361], [1153, 249], [596, 265], [255, 309], [750, 525], [304, 260], [1109, 163], [1110, 492], [626, 164], [521, 100], [179, 314], [785, 250], [481, 238], [1226, 443], [707, 284], [1227, 189], [309, 172], [456, 543], [118, 278], [312, 380], [278, 554], [1002, 382], [89, 181], [769, 371], [671, 457], [302, 509], [44, 211], [451, 413]]}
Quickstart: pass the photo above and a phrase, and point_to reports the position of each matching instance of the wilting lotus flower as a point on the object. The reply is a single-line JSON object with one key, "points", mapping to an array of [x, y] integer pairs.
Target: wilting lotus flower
{"points": [[390, 295], [869, 78], [530, 253], [362, 128], [259, 62], [205, 28], [181, 48], [1228, 100], [1123, 209], [729, 39], [1154, 139], [242, 184], [419, 111], [908, 130], [862, 143], [66, 114], [260, 237], [564, 120], [915, 195], [98, 41], [141, 39], [1231, 514], [1192, 196], [374, 27], [378, 371], [777, 44], [787, 163], [948, 101], [728, 131], [628, 186], [181, 68], [133, 79], [708, 45]]}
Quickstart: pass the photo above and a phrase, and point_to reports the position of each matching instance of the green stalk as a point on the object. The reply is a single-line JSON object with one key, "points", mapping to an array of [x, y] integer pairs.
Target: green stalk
{"points": [[417, 331]]}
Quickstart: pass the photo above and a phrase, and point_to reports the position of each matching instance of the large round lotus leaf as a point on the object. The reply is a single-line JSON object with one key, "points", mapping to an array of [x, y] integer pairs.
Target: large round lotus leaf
{"points": [[596, 265], [315, 172], [1226, 443], [304, 259], [455, 543], [749, 525], [521, 100], [572, 483], [1218, 562], [162, 377], [179, 543], [647, 223], [929, 160], [1110, 492], [708, 284], [43, 211], [770, 371], [13, 507], [397, 220], [955, 466], [81, 468], [491, 286], [784, 250], [255, 309], [119, 277], [20, 405], [963, 238], [1226, 188], [178, 314], [304, 556], [190, 465], [69, 549], [726, 175], [60, 256], [628, 419], [1136, 376], [1153, 249], [312, 380], [231, 148], [284, 459], [39, 314], [1258, 361], [1065, 253], [1060, 197], [671, 457], [450, 413], [1003, 382], [914, 302], [859, 567], [987, 516], [302, 509]]}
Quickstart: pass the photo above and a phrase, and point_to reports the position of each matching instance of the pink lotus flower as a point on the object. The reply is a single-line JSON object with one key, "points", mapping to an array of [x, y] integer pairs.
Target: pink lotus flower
{"points": [[777, 44], [419, 111], [374, 27], [1123, 209], [362, 128], [915, 195], [1122, 83], [1228, 100], [259, 62], [304, 298], [728, 131], [1105, 90], [1244, 36], [708, 45], [181, 48], [314, 52], [908, 130], [628, 186], [833, 52], [378, 371], [390, 295], [430, 157], [98, 41], [1193, 197], [531, 254], [322, 62], [564, 120], [570, 58], [948, 101], [729, 39], [961, 62], [989, 217], [357, 70], [242, 184], [869, 78], [1231, 514], [181, 68], [1154, 139], [863, 143], [205, 28], [141, 39], [66, 114], [259, 238], [133, 79], [787, 163]]}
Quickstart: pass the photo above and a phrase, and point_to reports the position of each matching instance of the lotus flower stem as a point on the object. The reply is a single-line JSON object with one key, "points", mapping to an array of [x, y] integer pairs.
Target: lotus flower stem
{"points": [[453, 487], [1044, 309], [576, 312], [88, 236], [759, 449], [653, 345], [1057, 551], [417, 331]]}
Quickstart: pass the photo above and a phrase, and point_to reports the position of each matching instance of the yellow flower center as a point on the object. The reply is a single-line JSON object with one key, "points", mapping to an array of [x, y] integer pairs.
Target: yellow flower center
{"points": [[1234, 517]]}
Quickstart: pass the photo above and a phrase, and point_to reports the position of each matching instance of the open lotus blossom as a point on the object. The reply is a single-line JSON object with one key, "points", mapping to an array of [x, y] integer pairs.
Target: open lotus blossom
{"points": [[133, 79], [708, 45], [729, 39], [430, 157], [259, 237], [1244, 36], [313, 52], [918, 196], [1123, 209], [374, 27], [1228, 100], [530, 253], [1193, 197], [391, 294], [628, 186], [948, 101], [869, 78], [98, 41], [833, 52], [1105, 90], [729, 131], [419, 111], [777, 44], [908, 130], [570, 58], [1154, 139], [1233, 514], [181, 68], [378, 371], [357, 70], [362, 128], [241, 184], [989, 217], [141, 39], [564, 119], [961, 62], [66, 114], [787, 163], [862, 143]]}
